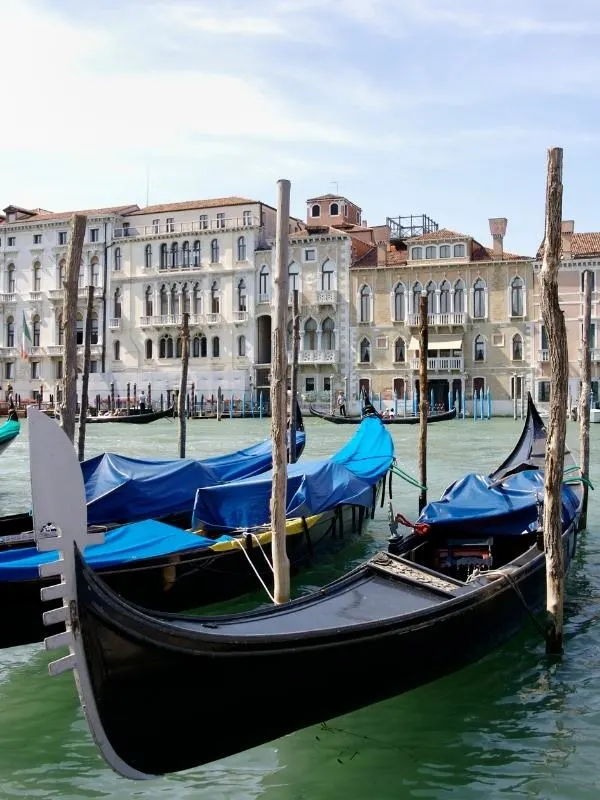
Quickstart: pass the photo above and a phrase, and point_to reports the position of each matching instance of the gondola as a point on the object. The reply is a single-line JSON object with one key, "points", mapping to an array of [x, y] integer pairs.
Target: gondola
{"points": [[9, 431], [457, 586], [227, 551], [338, 419], [134, 416]]}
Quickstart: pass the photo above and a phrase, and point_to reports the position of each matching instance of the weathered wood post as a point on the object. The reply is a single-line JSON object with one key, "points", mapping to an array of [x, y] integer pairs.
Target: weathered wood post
{"points": [[68, 409], [554, 323], [85, 378], [185, 357], [423, 405], [281, 564], [294, 376], [586, 392]]}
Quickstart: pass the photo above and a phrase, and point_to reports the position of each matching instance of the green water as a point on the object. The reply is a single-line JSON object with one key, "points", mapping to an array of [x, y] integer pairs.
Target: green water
{"points": [[512, 724]]}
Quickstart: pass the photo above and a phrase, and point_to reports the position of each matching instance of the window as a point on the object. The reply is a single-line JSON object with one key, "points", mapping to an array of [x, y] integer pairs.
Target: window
{"points": [[247, 218], [315, 210], [79, 329], [117, 259], [35, 370], [165, 347], [241, 346], [399, 313], [61, 331], [37, 277], [148, 256], [416, 253], [242, 296], [543, 337], [310, 254], [185, 254], [479, 299], [94, 234], [164, 301], [10, 332], [179, 347], [444, 297], [94, 329], [221, 220], [62, 237], [310, 334], [117, 304], [328, 334], [417, 290], [399, 388], [37, 238], [170, 224], [293, 277], [479, 348], [197, 256], [309, 384], [117, 350], [215, 347], [197, 299], [9, 370], [327, 383], [163, 256], [93, 366], [241, 248], [36, 326], [430, 252], [544, 391], [95, 272], [11, 241], [365, 351], [81, 276], [365, 304], [174, 255], [59, 369], [62, 273], [445, 251], [399, 351], [459, 251], [516, 297], [174, 300], [11, 279], [478, 386], [516, 387], [517, 347], [263, 281], [203, 221], [459, 297], [328, 276], [215, 304], [431, 297], [199, 346], [592, 278], [334, 210], [214, 251], [155, 226]]}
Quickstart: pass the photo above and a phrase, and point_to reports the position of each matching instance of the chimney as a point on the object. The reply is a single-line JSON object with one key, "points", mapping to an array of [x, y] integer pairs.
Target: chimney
{"points": [[381, 254], [364, 223], [567, 226], [498, 229]]}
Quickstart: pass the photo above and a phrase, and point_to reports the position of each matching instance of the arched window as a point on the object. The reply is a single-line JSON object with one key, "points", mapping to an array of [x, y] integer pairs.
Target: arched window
{"points": [[62, 273], [148, 349], [81, 276], [163, 256], [242, 296], [417, 290], [164, 301], [416, 253], [241, 248], [95, 271], [94, 329], [328, 334], [11, 279], [203, 347], [431, 297], [215, 347], [315, 210], [79, 328], [185, 299], [185, 254], [289, 339], [241, 345], [195, 349], [36, 331], [365, 303], [479, 348], [430, 251], [165, 347], [516, 297], [459, 250], [197, 299], [517, 347], [365, 351], [149, 301], [445, 251], [148, 256], [479, 299], [399, 303], [10, 332], [179, 347], [215, 301], [174, 300], [328, 276], [459, 297], [37, 277], [263, 281], [399, 350], [444, 297], [334, 210], [293, 277], [117, 304], [197, 253], [117, 350], [60, 331], [310, 335], [117, 259], [214, 251], [174, 260]]}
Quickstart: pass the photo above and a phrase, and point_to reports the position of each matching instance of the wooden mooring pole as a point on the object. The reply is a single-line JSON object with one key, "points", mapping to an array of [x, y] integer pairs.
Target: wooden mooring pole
{"points": [[281, 564], [85, 378], [185, 358], [554, 323], [294, 376], [423, 403], [586, 394]]}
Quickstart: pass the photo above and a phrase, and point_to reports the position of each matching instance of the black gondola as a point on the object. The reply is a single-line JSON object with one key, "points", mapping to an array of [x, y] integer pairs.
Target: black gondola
{"points": [[134, 416], [146, 680], [338, 419]]}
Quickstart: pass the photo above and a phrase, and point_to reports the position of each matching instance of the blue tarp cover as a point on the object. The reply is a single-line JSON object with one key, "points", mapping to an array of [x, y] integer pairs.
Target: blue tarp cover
{"points": [[469, 506], [313, 487], [149, 539], [121, 488]]}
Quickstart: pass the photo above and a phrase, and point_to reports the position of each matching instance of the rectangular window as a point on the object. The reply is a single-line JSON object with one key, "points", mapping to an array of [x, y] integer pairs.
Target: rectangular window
{"points": [[12, 241], [327, 383], [309, 384], [35, 370], [247, 218], [170, 224], [37, 238], [8, 370], [544, 391], [591, 335], [220, 220], [203, 220], [310, 254], [62, 237], [94, 234], [516, 386], [155, 226], [59, 369], [93, 366]]}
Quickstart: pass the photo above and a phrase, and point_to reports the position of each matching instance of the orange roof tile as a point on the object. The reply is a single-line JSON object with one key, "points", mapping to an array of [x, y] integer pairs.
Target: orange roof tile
{"points": [[435, 236], [583, 245], [481, 253], [48, 216], [191, 205]]}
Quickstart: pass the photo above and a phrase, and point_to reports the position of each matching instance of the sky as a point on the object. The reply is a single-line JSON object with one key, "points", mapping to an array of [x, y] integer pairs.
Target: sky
{"points": [[441, 107]]}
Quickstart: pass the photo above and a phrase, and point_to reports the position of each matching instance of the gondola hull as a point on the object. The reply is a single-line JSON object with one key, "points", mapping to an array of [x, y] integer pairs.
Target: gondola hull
{"points": [[134, 417], [8, 433], [341, 420]]}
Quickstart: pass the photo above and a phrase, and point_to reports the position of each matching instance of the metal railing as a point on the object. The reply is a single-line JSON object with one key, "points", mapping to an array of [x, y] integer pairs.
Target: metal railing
{"points": [[191, 226], [327, 297], [447, 319], [316, 356], [444, 364]]}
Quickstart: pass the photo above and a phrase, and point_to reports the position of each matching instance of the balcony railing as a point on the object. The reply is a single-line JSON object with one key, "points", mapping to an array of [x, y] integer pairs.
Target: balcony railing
{"points": [[316, 356], [178, 263], [114, 323], [240, 316], [8, 352], [213, 318], [56, 294], [264, 297], [35, 297], [327, 297], [543, 355], [166, 320], [449, 319], [82, 293], [192, 226], [594, 354], [55, 350], [446, 364], [8, 297], [36, 351]]}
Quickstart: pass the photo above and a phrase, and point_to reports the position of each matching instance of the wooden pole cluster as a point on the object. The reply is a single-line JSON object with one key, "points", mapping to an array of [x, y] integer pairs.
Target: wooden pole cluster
{"points": [[423, 403], [68, 409], [185, 358], [294, 375], [586, 393], [554, 322], [87, 353], [281, 564]]}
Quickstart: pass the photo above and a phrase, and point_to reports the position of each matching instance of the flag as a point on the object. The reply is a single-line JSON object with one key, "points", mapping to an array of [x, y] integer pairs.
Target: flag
{"points": [[26, 341]]}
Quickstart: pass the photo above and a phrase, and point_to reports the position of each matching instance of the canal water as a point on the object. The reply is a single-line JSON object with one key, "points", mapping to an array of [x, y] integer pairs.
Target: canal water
{"points": [[513, 723]]}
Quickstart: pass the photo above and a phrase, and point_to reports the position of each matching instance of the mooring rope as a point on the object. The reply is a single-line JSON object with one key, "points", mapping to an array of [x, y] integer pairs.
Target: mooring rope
{"points": [[256, 572]]}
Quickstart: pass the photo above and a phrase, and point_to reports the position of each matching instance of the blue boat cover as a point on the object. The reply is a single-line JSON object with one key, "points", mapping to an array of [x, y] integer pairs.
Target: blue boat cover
{"points": [[312, 487], [477, 505], [9, 430], [149, 539], [120, 488]]}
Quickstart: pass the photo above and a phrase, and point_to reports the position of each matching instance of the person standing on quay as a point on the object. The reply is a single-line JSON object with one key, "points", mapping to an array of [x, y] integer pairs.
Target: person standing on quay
{"points": [[341, 403]]}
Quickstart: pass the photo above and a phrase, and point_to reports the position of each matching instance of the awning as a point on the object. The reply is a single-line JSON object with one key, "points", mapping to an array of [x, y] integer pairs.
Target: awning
{"points": [[438, 341]]}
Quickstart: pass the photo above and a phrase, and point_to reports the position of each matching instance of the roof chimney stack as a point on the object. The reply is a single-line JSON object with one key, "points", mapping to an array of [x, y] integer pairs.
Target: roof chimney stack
{"points": [[567, 226], [498, 229]]}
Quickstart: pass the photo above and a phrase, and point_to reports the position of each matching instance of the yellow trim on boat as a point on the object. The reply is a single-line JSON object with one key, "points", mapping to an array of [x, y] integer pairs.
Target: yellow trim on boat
{"points": [[292, 528]]}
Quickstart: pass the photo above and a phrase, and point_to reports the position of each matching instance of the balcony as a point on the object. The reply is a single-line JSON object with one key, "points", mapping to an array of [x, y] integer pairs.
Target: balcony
{"points": [[8, 352], [114, 323], [213, 318], [192, 226], [448, 320], [56, 350], [240, 317], [161, 321], [594, 354], [327, 297], [56, 295], [8, 297], [35, 297], [264, 298], [178, 265], [36, 352], [316, 357], [543, 355], [445, 364], [82, 293]]}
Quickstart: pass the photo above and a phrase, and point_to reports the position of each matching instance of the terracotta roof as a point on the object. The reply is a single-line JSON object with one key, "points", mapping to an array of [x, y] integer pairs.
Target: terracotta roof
{"points": [[45, 216], [367, 258], [583, 245], [332, 197], [437, 236], [191, 205], [481, 253], [395, 258]]}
